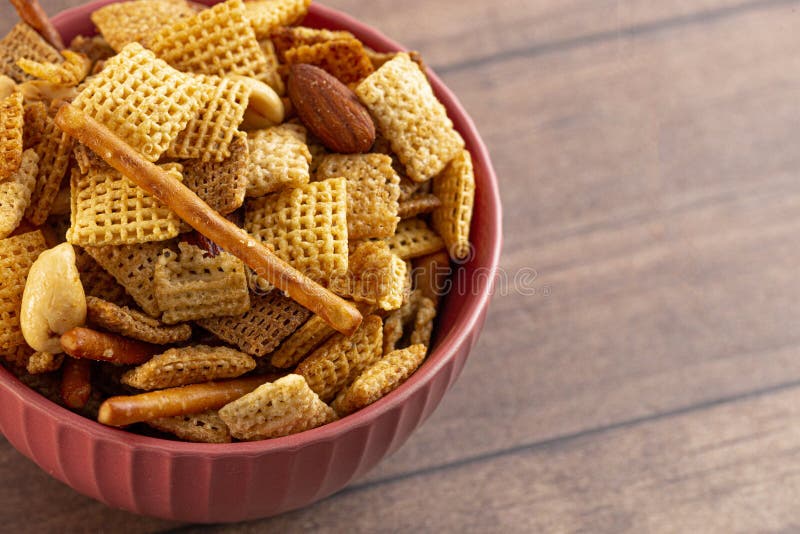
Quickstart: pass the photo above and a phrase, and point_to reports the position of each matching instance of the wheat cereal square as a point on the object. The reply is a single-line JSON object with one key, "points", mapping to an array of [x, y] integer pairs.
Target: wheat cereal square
{"points": [[12, 116], [128, 22], [455, 187], [206, 427], [343, 59], [17, 254], [267, 15], [24, 41], [288, 37], [54, 151], [15, 193], [221, 185], [279, 159]]}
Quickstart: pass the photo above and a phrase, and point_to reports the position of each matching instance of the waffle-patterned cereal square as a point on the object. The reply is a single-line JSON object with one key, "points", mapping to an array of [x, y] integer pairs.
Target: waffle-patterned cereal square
{"points": [[419, 204], [301, 342], [374, 275], [270, 319], [193, 284], [372, 192], [287, 37], [12, 116], [455, 187], [24, 41], [133, 267], [109, 209], [276, 409], [69, 72], [208, 136], [142, 99], [54, 151], [306, 226], [133, 323], [17, 254], [413, 238], [221, 185], [216, 41], [97, 282], [266, 15], [128, 22], [15, 194], [206, 427], [279, 159], [408, 114], [343, 59]]}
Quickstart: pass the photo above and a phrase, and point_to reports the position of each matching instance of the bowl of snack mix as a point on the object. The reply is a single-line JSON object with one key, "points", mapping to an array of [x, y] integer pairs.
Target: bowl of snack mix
{"points": [[245, 249]]}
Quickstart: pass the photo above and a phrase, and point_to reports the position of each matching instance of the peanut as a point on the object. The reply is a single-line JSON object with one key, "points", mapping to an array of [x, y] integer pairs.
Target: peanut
{"points": [[264, 108]]}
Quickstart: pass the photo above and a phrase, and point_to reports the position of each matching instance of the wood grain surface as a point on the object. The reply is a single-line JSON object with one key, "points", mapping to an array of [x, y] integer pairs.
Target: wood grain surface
{"points": [[648, 377]]}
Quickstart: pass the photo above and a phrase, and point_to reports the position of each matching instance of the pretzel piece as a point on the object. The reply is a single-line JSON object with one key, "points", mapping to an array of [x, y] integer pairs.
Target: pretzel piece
{"points": [[76, 383], [336, 311], [90, 344], [31, 12]]}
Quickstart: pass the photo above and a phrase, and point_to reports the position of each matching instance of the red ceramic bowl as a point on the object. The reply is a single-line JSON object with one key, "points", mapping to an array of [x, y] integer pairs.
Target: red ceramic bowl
{"points": [[240, 481]]}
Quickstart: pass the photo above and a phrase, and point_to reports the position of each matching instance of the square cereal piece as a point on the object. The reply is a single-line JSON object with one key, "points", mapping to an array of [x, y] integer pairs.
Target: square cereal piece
{"points": [[270, 319], [372, 192], [209, 134], [455, 187], [215, 41], [133, 323], [413, 238], [142, 99], [266, 15], [301, 342], [192, 284], [279, 159], [221, 185], [24, 41], [35, 126], [54, 150], [15, 194], [97, 282], [128, 22], [286, 37], [109, 209], [96, 48], [12, 116], [17, 254], [408, 114], [343, 59], [206, 427], [374, 275], [133, 267], [271, 76], [418, 204], [69, 72], [306, 226]]}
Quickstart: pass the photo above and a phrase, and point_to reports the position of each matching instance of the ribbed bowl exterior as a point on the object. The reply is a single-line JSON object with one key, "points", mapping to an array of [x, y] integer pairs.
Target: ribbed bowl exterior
{"points": [[233, 482]]}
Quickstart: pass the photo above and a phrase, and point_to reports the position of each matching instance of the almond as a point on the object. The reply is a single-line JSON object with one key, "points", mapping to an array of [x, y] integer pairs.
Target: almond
{"points": [[330, 110]]}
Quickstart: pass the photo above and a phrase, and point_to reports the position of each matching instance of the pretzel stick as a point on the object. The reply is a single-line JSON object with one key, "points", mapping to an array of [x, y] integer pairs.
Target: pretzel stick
{"points": [[88, 344], [184, 400], [32, 13], [75, 383], [337, 312]]}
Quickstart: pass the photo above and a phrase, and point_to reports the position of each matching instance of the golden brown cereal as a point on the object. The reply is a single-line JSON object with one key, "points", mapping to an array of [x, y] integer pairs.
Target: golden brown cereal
{"points": [[301, 342], [380, 379], [374, 275], [270, 319], [15, 194], [97, 282], [398, 322], [344, 59], [11, 119], [270, 75], [408, 188], [372, 192], [266, 15], [189, 365], [133, 324], [215, 41], [36, 120], [44, 362], [17, 254], [53, 150], [418, 204], [423, 322], [340, 359], [413, 238], [96, 48], [109, 209], [17, 357], [286, 37], [408, 114], [128, 22], [193, 285], [23, 41], [275, 409], [279, 158], [133, 267], [206, 427], [208, 135], [87, 159], [307, 227], [455, 187], [142, 99], [69, 72], [221, 185]]}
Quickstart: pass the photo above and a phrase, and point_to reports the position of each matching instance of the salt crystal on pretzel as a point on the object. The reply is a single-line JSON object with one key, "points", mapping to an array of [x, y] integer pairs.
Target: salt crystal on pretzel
{"points": [[374, 275], [141, 99], [266, 15], [413, 238], [408, 114], [15, 193], [133, 324], [383, 377], [191, 284], [206, 427], [188, 365], [279, 159], [344, 59], [372, 192], [69, 72], [222, 185], [11, 120], [276, 409], [23, 41], [127, 22], [218, 41], [54, 153], [455, 187], [17, 254]]}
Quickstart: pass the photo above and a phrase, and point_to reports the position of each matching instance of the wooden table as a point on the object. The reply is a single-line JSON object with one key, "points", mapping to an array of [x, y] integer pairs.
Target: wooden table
{"points": [[648, 159]]}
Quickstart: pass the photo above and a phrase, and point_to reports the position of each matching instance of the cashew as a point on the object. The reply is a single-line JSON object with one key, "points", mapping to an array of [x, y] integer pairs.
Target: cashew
{"points": [[53, 300], [264, 108], [7, 86]]}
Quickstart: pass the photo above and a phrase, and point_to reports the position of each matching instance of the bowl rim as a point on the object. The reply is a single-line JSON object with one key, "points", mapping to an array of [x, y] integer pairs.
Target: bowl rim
{"points": [[441, 354]]}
